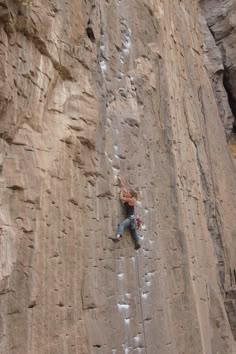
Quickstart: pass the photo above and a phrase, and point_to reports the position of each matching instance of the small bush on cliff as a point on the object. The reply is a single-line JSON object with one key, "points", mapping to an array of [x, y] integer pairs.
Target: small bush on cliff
{"points": [[25, 2]]}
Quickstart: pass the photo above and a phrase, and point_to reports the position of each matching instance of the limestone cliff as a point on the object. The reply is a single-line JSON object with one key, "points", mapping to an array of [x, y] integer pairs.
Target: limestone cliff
{"points": [[90, 90], [219, 26]]}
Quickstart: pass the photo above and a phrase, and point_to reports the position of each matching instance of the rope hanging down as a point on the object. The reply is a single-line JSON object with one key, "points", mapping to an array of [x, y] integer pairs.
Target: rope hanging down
{"points": [[141, 305]]}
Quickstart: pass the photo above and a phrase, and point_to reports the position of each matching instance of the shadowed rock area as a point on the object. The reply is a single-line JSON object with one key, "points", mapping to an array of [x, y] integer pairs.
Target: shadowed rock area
{"points": [[90, 90], [220, 36]]}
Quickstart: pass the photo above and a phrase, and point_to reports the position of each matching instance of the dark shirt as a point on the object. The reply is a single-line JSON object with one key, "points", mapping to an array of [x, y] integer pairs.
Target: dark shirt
{"points": [[129, 209]]}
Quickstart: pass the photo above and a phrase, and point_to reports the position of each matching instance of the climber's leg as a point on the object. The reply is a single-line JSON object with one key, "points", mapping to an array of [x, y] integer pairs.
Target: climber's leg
{"points": [[134, 234], [121, 227]]}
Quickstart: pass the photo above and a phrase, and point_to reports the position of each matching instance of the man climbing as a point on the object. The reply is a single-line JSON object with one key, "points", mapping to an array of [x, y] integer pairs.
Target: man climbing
{"points": [[129, 198]]}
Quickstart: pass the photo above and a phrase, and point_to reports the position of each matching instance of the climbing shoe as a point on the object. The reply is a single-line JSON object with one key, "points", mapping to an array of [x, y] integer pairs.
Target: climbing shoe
{"points": [[137, 245], [115, 239]]}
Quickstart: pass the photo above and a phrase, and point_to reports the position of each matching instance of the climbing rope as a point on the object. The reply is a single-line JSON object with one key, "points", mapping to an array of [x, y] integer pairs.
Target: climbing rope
{"points": [[141, 306]]}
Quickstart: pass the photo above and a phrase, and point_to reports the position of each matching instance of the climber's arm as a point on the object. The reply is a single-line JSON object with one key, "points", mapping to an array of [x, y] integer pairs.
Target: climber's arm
{"points": [[123, 188], [130, 201]]}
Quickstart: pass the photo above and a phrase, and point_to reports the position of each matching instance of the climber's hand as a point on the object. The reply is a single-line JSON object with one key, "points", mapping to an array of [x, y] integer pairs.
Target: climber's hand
{"points": [[124, 189]]}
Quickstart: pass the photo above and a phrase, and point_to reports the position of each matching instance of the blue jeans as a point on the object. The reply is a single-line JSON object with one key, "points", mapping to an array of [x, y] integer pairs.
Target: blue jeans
{"points": [[130, 223]]}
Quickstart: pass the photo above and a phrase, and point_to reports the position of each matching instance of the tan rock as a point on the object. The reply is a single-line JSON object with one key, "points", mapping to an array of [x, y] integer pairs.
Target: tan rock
{"points": [[89, 91]]}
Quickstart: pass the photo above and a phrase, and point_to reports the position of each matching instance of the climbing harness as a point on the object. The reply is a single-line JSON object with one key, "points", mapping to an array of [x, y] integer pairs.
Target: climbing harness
{"points": [[138, 223]]}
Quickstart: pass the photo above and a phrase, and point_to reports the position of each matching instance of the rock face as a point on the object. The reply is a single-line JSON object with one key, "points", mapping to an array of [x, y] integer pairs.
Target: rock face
{"points": [[89, 90], [219, 30]]}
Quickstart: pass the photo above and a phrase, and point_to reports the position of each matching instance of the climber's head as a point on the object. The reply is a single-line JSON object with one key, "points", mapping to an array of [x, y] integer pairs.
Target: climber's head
{"points": [[133, 194]]}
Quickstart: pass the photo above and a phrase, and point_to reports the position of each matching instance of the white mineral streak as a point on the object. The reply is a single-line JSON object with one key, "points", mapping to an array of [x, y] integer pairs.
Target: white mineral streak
{"points": [[103, 48], [123, 307], [137, 338], [126, 350], [120, 276]]}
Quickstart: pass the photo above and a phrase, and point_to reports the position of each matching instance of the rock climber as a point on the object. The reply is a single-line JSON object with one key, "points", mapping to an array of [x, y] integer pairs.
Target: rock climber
{"points": [[129, 198]]}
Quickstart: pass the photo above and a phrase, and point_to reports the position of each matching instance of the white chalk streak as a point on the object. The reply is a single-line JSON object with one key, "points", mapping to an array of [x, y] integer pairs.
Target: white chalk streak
{"points": [[103, 66], [120, 276], [123, 306], [137, 339]]}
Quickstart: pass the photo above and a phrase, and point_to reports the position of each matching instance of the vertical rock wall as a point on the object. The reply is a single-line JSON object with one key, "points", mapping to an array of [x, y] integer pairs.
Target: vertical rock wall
{"points": [[219, 23], [89, 90], [219, 29]]}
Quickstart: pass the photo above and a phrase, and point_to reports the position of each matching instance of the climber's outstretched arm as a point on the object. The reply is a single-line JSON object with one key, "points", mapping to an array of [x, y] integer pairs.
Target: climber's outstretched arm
{"points": [[125, 195], [122, 185]]}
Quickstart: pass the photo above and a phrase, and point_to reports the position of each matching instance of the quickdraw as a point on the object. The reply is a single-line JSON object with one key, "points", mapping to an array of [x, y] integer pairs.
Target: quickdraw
{"points": [[138, 222]]}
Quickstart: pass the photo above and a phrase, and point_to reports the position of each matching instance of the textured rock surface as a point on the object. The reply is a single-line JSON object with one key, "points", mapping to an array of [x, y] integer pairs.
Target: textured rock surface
{"points": [[219, 28], [220, 53], [220, 35], [90, 89]]}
